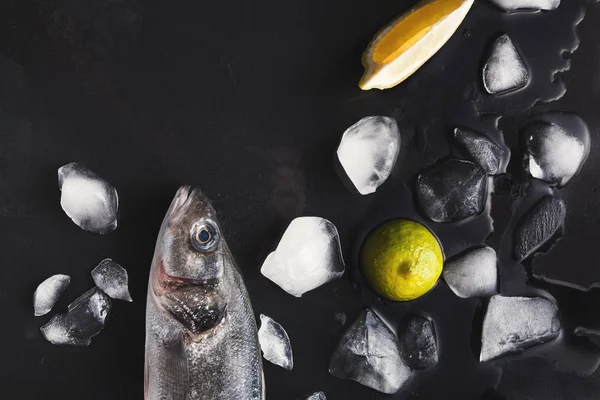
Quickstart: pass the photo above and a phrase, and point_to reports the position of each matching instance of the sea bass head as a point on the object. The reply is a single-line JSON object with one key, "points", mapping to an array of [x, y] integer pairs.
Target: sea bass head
{"points": [[201, 336], [189, 262]]}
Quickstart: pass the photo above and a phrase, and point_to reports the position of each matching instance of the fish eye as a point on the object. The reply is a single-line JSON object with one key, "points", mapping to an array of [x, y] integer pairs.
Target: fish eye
{"points": [[204, 235]]}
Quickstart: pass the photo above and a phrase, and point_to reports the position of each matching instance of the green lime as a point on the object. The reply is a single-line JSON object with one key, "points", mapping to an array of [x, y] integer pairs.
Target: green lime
{"points": [[401, 260]]}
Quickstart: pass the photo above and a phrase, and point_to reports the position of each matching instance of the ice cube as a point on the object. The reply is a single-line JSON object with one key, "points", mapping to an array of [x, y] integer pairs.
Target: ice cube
{"points": [[505, 69], [368, 152], [480, 149], [369, 353], [112, 279], [530, 5], [275, 343], [307, 256], [452, 190], [473, 274], [317, 396], [418, 343], [90, 201], [512, 324], [552, 154], [539, 226], [47, 293], [85, 318]]}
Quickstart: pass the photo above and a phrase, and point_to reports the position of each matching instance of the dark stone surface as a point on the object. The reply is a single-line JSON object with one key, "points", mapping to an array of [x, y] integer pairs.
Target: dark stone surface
{"points": [[249, 101]]}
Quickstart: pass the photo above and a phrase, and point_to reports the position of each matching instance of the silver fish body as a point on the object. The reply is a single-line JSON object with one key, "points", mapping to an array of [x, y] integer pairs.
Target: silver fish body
{"points": [[201, 336]]}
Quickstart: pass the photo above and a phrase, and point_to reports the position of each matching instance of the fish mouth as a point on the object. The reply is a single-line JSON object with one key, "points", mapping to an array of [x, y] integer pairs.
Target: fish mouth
{"points": [[181, 198], [163, 283]]}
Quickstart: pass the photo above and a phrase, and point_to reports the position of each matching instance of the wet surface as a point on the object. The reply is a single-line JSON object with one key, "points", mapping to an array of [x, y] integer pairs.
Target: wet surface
{"points": [[249, 102]]}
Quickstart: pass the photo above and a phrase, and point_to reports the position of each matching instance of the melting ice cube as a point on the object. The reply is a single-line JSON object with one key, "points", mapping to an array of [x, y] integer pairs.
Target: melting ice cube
{"points": [[480, 149], [275, 343], [530, 5], [553, 154], [90, 201], [112, 279], [368, 152], [317, 396], [539, 226], [369, 353], [85, 318], [452, 190], [512, 324], [504, 70], [418, 343], [473, 274], [308, 255], [47, 293]]}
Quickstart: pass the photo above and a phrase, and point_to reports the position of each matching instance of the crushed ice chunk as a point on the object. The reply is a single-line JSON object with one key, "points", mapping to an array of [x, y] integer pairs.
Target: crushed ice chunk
{"points": [[275, 343], [538, 226], [368, 152], [48, 292], [90, 201], [505, 69], [480, 149], [473, 274], [317, 396], [369, 353], [112, 279], [530, 5], [452, 190], [85, 318], [307, 256], [553, 154], [512, 324], [418, 343]]}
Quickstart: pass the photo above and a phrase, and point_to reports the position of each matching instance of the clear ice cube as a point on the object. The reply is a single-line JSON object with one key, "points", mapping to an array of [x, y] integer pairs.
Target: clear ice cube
{"points": [[112, 279], [552, 153], [275, 343], [307, 256], [90, 201], [368, 152], [85, 318], [529, 5], [538, 226], [505, 70], [480, 149], [48, 292], [418, 343], [317, 396], [452, 190], [473, 273], [512, 324], [369, 353]]}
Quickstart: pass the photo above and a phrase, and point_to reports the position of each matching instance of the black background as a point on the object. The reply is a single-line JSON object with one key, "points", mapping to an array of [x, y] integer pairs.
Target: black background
{"points": [[248, 100]]}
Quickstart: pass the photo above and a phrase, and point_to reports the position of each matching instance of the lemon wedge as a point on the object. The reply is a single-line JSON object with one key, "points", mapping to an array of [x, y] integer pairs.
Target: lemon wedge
{"points": [[400, 48]]}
